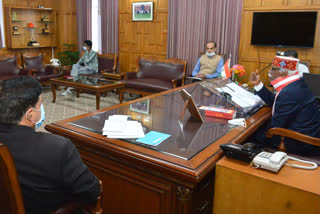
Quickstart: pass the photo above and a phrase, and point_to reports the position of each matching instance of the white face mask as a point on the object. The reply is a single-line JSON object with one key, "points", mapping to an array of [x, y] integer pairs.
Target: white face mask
{"points": [[210, 54], [84, 48], [42, 118]]}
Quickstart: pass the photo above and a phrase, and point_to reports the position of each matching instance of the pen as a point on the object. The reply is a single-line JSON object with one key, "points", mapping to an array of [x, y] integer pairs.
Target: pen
{"points": [[230, 88]]}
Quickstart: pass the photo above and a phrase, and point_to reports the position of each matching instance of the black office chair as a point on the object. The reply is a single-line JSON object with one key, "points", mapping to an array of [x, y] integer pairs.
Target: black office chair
{"points": [[313, 82]]}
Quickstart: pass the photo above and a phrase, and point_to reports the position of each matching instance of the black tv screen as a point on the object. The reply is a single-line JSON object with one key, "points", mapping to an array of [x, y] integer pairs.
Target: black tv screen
{"points": [[284, 29]]}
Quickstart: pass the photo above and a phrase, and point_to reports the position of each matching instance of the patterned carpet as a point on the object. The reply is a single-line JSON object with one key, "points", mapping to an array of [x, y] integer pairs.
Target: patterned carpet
{"points": [[70, 106]]}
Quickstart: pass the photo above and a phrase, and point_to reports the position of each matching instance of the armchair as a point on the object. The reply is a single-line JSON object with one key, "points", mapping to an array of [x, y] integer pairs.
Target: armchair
{"points": [[10, 66], [34, 64], [107, 67], [294, 135], [11, 196], [153, 75]]}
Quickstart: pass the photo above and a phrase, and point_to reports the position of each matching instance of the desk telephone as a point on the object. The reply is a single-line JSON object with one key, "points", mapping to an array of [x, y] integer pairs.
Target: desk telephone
{"points": [[269, 161], [55, 62], [245, 152], [275, 161], [250, 152]]}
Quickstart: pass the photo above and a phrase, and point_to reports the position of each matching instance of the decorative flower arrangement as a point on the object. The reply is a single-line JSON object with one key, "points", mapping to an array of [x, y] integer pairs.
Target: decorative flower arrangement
{"points": [[237, 72]]}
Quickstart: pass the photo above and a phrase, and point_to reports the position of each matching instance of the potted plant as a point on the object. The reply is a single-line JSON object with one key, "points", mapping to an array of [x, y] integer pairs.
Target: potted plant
{"points": [[69, 56]]}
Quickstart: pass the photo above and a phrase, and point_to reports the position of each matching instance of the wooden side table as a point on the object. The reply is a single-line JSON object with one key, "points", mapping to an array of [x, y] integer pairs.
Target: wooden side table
{"points": [[242, 189]]}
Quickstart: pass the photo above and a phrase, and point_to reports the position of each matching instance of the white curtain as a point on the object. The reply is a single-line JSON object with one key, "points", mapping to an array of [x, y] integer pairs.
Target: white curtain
{"points": [[2, 38]]}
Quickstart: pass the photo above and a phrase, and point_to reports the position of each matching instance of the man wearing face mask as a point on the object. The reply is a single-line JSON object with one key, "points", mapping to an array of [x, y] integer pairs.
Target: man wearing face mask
{"points": [[87, 64], [49, 166], [293, 106], [209, 65]]}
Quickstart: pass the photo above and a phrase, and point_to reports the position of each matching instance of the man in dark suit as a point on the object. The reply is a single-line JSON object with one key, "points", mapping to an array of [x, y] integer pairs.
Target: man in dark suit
{"points": [[49, 167], [293, 106]]}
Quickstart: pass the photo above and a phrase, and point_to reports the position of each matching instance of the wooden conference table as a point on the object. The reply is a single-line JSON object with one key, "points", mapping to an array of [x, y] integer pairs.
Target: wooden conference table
{"points": [[177, 176]]}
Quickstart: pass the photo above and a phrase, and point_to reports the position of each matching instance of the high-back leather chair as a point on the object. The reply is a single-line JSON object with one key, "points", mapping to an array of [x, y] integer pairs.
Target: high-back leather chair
{"points": [[107, 62], [313, 82], [10, 67], [107, 67], [154, 75], [11, 196], [36, 67]]}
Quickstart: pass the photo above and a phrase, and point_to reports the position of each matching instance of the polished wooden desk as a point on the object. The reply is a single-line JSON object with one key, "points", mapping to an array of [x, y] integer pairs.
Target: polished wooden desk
{"points": [[242, 189], [175, 177]]}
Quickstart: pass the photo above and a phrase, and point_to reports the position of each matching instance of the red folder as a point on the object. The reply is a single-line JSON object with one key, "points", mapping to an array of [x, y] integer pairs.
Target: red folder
{"points": [[219, 112]]}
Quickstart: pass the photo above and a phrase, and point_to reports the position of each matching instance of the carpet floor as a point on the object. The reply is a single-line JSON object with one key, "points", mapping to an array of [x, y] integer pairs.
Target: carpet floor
{"points": [[70, 106]]}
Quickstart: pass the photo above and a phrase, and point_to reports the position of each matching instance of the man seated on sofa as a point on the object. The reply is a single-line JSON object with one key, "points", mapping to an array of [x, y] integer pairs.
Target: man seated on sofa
{"points": [[293, 106], [88, 64], [49, 167], [210, 64]]}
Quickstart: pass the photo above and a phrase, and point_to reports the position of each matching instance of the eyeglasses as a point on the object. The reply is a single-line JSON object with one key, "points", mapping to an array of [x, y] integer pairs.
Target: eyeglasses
{"points": [[275, 68]]}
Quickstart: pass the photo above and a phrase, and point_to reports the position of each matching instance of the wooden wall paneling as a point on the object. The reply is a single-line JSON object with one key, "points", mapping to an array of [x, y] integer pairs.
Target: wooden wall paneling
{"points": [[272, 3], [315, 2], [298, 3], [141, 38], [67, 20], [252, 3]]}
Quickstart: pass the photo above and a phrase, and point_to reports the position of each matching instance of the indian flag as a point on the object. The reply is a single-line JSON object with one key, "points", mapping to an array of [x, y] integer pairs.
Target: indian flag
{"points": [[225, 73]]}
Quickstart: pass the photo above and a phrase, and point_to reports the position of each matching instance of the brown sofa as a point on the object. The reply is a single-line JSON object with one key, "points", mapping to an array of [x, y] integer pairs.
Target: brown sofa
{"points": [[153, 76], [34, 64], [10, 67]]}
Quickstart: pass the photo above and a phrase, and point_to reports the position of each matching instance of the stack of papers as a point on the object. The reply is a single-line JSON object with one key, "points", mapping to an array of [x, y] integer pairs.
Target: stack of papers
{"points": [[118, 126], [240, 96]]}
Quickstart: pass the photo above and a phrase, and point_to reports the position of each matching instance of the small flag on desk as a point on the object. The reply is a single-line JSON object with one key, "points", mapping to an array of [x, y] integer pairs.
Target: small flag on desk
{"points": [[225, 73]]}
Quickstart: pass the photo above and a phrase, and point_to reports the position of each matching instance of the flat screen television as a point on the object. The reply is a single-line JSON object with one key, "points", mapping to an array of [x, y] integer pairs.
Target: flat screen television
{"points": [[284, 29]]}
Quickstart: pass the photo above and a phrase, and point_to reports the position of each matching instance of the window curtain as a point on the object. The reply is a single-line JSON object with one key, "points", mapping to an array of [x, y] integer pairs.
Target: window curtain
{"points": [[192, 23], [84, 18], [1, 42], [224, 26], [109, 10]]}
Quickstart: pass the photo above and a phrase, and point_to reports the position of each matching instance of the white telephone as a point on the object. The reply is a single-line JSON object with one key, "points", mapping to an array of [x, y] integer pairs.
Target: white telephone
{"points": [[55, 62], [275, 161], [269, 161]]}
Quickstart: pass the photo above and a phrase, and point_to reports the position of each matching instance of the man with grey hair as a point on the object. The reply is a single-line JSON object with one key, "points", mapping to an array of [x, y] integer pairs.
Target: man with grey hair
{"points": [[293, 106]]}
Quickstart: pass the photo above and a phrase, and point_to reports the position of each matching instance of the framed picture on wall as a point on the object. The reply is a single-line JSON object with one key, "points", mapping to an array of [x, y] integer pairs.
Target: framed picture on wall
{"points": [[142, 11], [141, 106]]}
